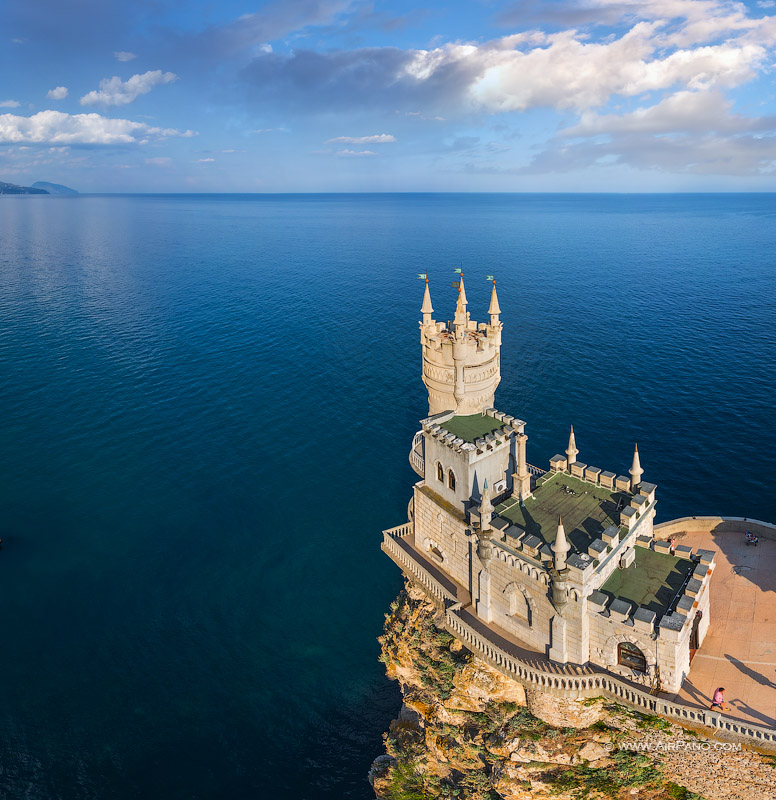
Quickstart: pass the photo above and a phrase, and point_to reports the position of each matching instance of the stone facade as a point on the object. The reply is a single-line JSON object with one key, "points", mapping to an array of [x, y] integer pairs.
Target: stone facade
{"points": [[576, 598]]}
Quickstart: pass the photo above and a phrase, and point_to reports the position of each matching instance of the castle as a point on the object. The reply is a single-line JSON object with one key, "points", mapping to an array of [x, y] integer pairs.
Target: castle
{"points": [[560, 562]]}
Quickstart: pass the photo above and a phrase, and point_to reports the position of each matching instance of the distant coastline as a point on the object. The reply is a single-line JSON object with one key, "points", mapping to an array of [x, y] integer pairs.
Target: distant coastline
{"points": [[39, 187]]}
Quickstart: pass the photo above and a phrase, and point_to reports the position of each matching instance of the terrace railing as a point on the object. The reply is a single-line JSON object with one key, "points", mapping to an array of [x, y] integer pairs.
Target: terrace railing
{"points": [[417, 462], [560, 680]]}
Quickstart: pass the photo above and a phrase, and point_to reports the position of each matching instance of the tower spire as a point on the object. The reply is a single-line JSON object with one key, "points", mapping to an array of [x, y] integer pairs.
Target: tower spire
{"points": [[560, 547], [494, 309], [572, 451], [635, 471], [427, 309], [460, 308]]}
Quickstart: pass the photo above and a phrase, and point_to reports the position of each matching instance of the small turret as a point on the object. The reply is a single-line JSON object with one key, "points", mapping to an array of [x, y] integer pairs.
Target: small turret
{"points": [[559, 583], [486, 508], [560, 547], [494, 309], [635, 471], [572, 451], [427, 309], [461, 317]]}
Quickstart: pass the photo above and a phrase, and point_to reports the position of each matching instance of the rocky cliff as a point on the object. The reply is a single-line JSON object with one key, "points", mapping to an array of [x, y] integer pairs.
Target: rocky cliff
{"points": [[465, 732]]}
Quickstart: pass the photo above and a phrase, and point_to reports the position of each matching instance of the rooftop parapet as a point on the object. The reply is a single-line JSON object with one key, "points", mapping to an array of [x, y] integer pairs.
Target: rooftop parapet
{"points": [[473, 432], [658, 587]]}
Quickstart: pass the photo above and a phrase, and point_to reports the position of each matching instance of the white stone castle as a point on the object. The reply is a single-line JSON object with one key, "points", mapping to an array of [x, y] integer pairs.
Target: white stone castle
{"points": [[559, 563]]}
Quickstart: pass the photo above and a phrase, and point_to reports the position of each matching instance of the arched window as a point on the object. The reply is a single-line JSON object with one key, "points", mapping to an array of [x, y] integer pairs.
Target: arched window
{"points": [[630, 656], [451, 479], [519, 607], [440, 473], [436, 553]]}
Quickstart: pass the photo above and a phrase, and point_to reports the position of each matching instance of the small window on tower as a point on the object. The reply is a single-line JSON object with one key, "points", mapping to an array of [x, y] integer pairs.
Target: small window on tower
{"points": [[440, 473], [451, 480]]}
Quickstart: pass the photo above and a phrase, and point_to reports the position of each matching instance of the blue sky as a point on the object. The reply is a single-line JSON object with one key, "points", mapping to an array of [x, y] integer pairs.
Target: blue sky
{"points": [[365, 95]]}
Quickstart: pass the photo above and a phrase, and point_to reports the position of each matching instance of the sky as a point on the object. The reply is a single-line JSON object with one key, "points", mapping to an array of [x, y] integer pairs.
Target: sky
{"points": [[368, 95]]}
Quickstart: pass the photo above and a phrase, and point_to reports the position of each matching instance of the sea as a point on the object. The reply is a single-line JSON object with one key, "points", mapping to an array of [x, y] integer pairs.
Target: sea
{"points": [[207, 403]]}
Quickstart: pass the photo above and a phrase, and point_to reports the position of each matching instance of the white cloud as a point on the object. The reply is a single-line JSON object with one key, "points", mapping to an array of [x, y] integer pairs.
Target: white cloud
{"points": [[115, 92], [355, 153], [419, 115], [667, 45], [124, 55], [205, 160], [9, 104], [563, 70], [59, 93], [687, 132], [378, 138], [56, 127], [681, 112]]}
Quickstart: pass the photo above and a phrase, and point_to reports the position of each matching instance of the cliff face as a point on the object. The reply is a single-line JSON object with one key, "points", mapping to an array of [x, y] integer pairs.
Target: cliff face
{"points": [[465, 732]]}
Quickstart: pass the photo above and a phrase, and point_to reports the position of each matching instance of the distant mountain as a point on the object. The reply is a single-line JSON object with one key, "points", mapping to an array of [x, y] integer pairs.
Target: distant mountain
{"points": [[53, 188], [12, 188]]}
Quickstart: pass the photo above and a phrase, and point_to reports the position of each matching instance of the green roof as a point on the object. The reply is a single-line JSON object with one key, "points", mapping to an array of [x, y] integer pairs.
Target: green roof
{"points": [[587, 510], [472, 427], [651, 581]]}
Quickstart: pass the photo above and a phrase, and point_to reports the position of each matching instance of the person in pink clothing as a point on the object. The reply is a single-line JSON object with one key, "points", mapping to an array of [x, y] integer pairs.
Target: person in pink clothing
{"points": [[719, 699]]}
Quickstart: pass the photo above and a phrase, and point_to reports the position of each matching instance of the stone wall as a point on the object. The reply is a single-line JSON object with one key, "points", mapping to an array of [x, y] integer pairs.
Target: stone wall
{"points": [[471, 466], [441, 535]]}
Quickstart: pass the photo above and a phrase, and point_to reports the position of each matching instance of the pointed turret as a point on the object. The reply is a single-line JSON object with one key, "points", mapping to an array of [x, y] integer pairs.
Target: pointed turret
{"points": [[486, 508], [427, 309], [494, 309], [572, 451], [560, 547], [460, 308], [484, 544], [635, 471]]}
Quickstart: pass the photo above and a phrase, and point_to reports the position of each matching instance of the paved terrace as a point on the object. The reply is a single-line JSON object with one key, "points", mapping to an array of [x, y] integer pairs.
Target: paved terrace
{"points": [[587, 510], [739, 651]]}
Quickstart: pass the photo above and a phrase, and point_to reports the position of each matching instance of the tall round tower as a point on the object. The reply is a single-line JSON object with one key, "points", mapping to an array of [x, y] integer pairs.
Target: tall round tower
{"points": [[461, 359]]}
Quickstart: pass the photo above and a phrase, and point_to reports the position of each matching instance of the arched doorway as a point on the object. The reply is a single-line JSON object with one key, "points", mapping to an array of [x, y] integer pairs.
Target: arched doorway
{"points": [[628, 655]]}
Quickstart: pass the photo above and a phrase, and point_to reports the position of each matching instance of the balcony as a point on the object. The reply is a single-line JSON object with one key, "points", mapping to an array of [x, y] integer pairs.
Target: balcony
{"points": [[417, 461]]}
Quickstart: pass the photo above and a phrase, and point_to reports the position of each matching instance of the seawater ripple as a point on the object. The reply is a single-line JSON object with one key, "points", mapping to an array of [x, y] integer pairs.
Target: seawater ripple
{"points": [[207, 407]]}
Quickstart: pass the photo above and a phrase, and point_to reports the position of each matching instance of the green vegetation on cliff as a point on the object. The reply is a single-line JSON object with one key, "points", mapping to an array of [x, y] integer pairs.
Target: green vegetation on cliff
{"points": [[465, 733]]}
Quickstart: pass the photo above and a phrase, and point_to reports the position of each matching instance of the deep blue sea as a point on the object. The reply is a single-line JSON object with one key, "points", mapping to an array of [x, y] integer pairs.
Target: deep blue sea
{"points": [[207, 404]]}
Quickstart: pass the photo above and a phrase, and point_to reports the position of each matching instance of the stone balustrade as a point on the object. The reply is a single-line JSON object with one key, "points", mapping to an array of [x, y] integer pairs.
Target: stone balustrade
{"points": [[714, 525], [417, 462], [410, 566], [560, 680]]}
